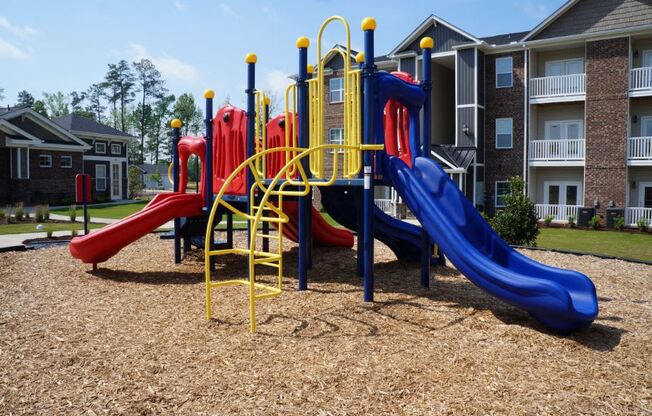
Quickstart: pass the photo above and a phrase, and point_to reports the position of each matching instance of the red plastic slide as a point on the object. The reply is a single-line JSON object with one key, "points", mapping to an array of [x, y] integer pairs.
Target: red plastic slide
{"points": [[323, 234], [101, 245]]}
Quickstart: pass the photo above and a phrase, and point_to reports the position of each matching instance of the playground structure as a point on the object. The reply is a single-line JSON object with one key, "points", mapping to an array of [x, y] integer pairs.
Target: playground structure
{"points": [[264, 171]]}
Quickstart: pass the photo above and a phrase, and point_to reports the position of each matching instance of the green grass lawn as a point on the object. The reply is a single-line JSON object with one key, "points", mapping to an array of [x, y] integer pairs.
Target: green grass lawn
{"points": [[610, 243], [31, 228], [110, 211]]}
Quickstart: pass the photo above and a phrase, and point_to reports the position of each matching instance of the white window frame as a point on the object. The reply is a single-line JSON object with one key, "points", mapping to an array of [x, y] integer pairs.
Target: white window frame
{"points": [[641, 192], [644, 56], [114, 146], [98, 178], [511, 134], [564, 63], [339, 90], [66, 157], [644, 119], [511, 73], [564, 132], [97, 150], [562, 192], [19, 168], [496, 193], [40, 160], [341, 141]]}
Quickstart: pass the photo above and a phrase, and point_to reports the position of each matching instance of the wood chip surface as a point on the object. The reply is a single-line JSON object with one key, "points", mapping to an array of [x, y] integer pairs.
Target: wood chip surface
{"points": [[131, 338]]}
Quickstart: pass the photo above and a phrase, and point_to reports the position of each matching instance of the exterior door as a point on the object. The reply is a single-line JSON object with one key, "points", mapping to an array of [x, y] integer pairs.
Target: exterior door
{"points": [[116, 180], [562, 193], [645, 195]]}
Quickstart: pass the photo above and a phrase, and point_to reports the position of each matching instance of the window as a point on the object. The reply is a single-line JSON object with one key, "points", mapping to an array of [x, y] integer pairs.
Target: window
{"points": [[336, 88], [562, 193], [504, 72], [504, 127], [45, 161], [66, 161], [565, 67], [502, 189], [100, 178], [645, 194], [19, 163], [100, 147], [647, 59], [336, 136], [116, 148]]}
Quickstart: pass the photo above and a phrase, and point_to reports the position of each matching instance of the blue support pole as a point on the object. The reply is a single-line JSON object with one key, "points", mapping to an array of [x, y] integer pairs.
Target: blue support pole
{"points": [[208, 166], [426, 84], [304, 201], [176, 131], [368, 26], [360, 246], [250, 59]]}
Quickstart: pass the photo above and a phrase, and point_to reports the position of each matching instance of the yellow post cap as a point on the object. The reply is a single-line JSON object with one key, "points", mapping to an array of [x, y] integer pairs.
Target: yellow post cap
{"points": [[427, 43], [310, 68], [209, 94], [303, 42], [176, 123], [266, 100], [251, 58], [359, 58], [368, 23]]}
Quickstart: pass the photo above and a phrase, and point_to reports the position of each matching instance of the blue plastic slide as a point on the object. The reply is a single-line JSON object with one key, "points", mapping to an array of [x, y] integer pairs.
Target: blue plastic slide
{"points": [[564, 300]]}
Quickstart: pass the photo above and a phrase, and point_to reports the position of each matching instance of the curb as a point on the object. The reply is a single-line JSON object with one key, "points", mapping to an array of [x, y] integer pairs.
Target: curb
{"points": [[580, 253]]}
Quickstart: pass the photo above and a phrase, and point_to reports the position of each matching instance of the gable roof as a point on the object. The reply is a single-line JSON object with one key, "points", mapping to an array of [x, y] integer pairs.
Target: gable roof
{"points": [[431, 20], [548, 20], [504, 39], [82, 125], [43, 122]]}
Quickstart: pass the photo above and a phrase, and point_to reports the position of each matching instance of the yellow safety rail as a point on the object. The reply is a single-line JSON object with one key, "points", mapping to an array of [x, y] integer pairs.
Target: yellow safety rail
{"points": [[260, 127], [256, 216], [291, 124]]}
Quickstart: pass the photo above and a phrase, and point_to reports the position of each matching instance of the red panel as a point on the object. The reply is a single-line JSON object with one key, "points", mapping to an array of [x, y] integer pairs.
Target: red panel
{"points": [[323, 234], [229, 148], [79, 181], [397, 126], [276, 138], [189, 145]]}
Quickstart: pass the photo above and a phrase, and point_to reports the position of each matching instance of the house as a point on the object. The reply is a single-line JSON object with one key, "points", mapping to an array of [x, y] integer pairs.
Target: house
{"points": [[155, 176], [566, 105], [39, 158], [106, 159]]}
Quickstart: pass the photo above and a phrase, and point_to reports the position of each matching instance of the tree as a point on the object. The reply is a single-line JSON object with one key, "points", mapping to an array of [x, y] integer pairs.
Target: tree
{"points": [[56, 104], [160, 121], [39, 107], [2, 94], [274, 103], [25, 99], [151, 86], [120, 80], [191, 115], [94, 95], [517, 222], [135, 181]]}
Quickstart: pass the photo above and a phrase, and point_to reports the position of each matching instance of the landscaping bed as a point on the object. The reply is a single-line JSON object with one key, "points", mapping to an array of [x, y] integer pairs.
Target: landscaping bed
{"points": [[131, 338]]}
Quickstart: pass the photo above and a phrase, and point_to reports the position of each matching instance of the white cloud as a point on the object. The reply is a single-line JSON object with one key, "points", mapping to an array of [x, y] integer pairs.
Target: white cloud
{"points": [[228, 10], [537, 11], [277, 81], [179, 5], [170, 67], [7, 50], [24, 31]]}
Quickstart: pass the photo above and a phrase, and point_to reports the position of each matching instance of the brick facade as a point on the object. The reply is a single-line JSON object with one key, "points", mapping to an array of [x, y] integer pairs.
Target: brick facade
{"points": [[607, 72], [501, 164]]}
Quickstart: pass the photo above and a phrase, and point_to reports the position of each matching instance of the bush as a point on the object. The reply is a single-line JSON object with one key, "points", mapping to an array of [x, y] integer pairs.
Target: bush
{"points": [[642, 224], [517, 223], [73, 232], [135, 182], [72, 213], [571, 221], [548, 220], [3, 213], [19, 212], [46, 211], [48, 233], [619, 223], [594, 222], [38, 214], [27, 215]]}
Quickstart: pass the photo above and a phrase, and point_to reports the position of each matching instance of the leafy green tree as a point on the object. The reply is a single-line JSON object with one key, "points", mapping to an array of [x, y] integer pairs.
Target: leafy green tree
{"points": [[94, 95], [120, 80], [56, 104], [190, 114], [2, 94], [39, 107], [151, 86], [160, 121], [25, 99], [135, 181], [517, 222]]}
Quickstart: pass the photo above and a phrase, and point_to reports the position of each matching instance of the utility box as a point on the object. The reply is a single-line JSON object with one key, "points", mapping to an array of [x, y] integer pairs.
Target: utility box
{"points": [[584, 215], [612, 213]]}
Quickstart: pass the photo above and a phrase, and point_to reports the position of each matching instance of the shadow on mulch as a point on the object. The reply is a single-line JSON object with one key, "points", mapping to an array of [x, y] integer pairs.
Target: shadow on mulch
{"points": [[149, 278]]}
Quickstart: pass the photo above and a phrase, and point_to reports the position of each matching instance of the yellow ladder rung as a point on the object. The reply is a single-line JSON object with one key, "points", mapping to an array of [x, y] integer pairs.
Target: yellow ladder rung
{"points": [[267, 259], [275, 265], [274, 236], [212, 253], [267, 295]]}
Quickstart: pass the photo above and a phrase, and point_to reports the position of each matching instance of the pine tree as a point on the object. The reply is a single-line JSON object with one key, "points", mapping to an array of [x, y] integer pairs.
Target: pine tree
{"points": [[151, 86], [56, 104], [25, 99], [120, 80], [94, 95]]}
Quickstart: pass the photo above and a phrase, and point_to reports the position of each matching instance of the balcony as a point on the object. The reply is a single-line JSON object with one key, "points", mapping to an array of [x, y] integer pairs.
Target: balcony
{"points": [[639, 151], [555, 89], [634, 214], [640, 82], [564, 152], [558, 213]]}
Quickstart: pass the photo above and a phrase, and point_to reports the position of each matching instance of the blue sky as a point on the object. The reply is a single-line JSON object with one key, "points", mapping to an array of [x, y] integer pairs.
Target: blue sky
{"points": [[66, 45]]}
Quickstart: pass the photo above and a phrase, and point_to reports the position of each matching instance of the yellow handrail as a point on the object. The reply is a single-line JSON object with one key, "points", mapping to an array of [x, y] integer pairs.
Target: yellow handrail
{"points": [[260, 128]]}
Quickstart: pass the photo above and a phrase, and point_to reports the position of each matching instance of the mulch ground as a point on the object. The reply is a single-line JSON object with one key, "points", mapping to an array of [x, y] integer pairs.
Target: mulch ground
{"points": [[131, 338]]}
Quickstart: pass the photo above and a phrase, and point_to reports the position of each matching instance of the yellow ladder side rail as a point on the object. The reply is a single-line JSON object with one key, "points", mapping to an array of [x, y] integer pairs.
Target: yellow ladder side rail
{"points": [[290, 120], [260, 128]]}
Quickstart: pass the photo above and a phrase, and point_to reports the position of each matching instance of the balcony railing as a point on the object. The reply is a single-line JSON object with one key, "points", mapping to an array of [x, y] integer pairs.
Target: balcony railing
{"points": [[556, 150], [639, 148], [386, 205], [640, 79], [557, 86], [558, 212], [634, 214]]}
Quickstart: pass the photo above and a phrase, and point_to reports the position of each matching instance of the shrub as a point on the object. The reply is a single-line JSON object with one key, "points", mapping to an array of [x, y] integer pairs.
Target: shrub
{"points": [[38, 213], [619, 223], [3, 214], [72, 213], [571, 221], [46, 211], [548, 220], [642, 224], [135, 182], [73, 232], [48, 233], [19, 212], [517, 223], [27, 215], [594, 222]]}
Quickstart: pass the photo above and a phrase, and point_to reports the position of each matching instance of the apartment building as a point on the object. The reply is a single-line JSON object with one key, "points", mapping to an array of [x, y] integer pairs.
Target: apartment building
{"points": [[566, 105]]}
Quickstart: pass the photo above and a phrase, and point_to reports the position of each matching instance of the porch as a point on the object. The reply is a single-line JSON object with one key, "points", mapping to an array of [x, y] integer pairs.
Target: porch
{"points": [[559, 213], [557, 192]]}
